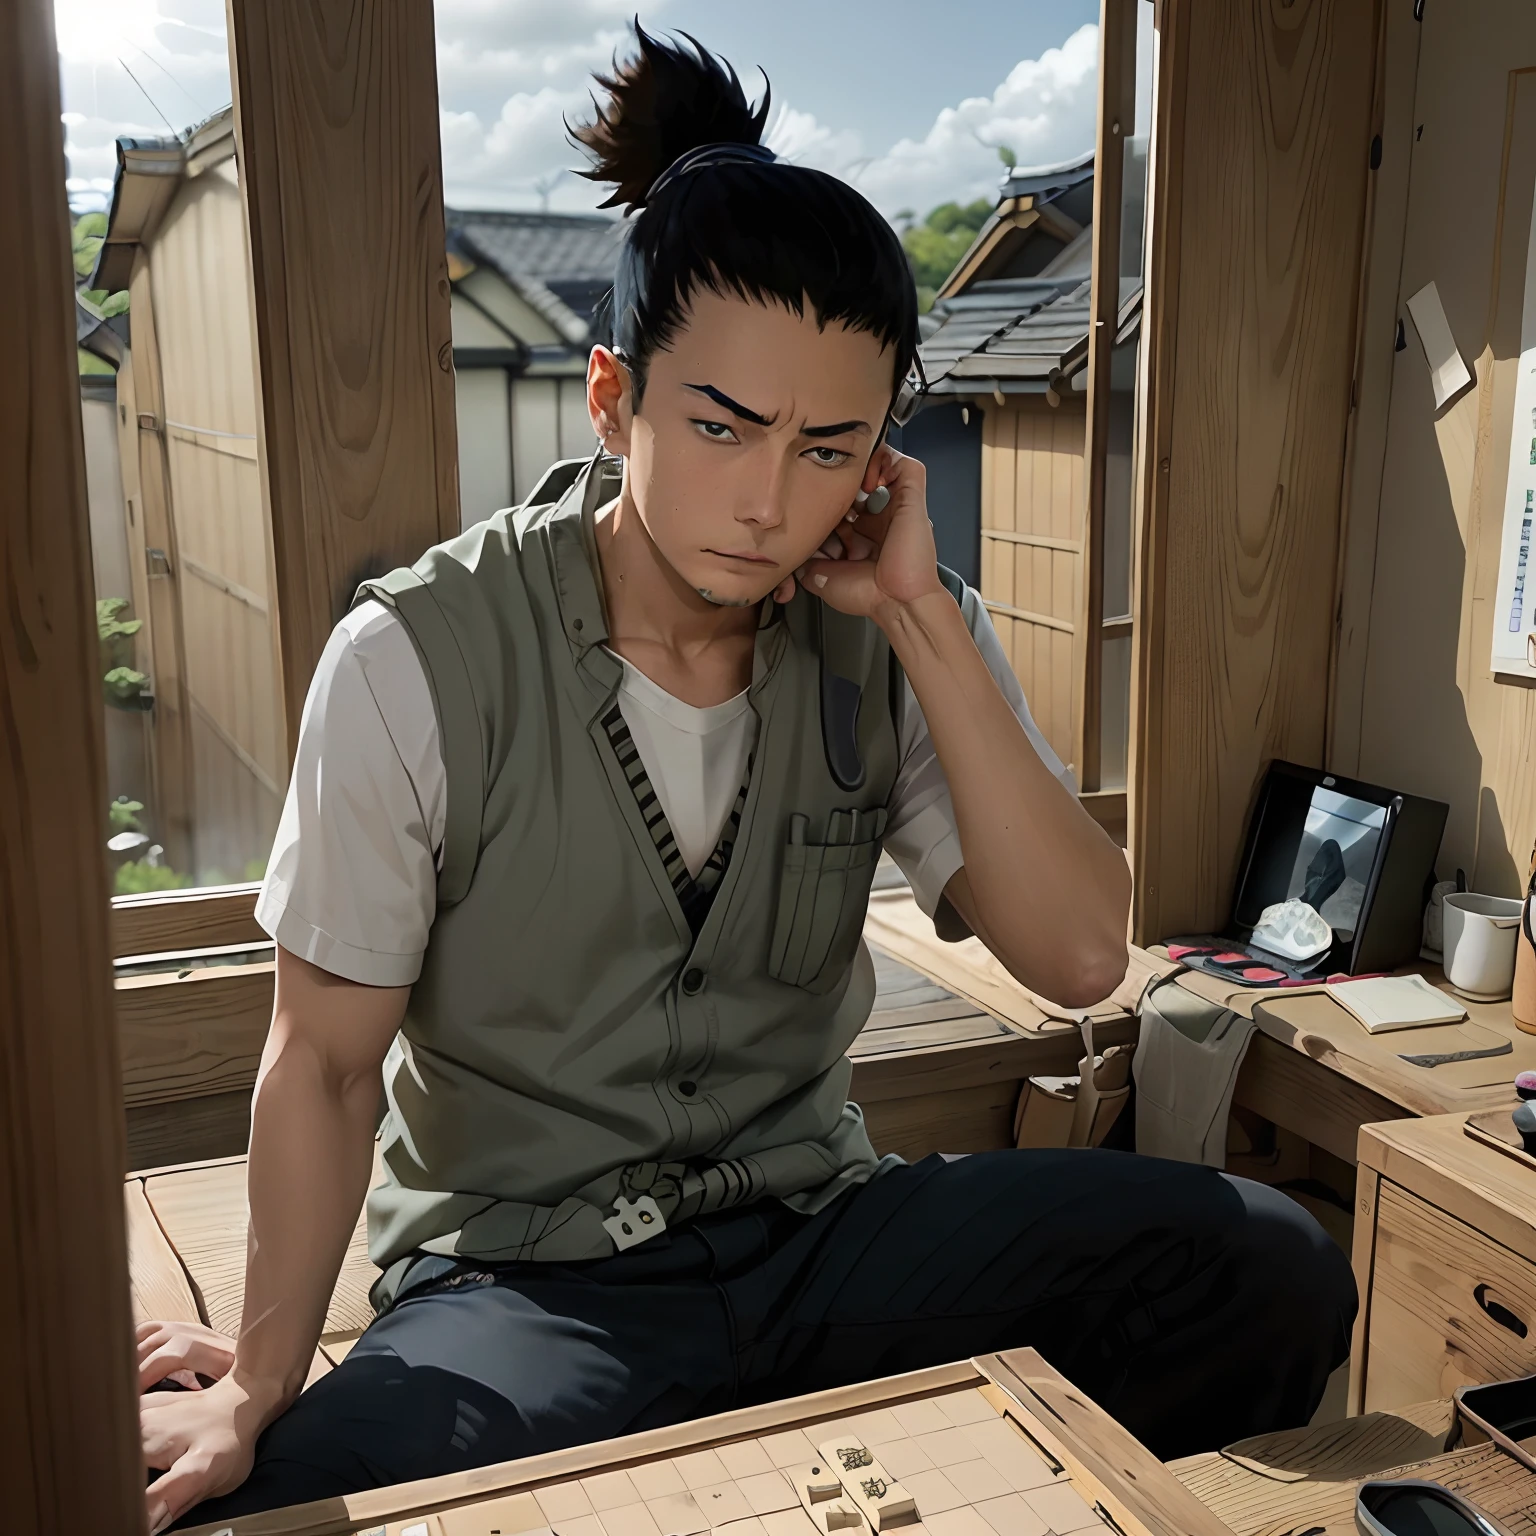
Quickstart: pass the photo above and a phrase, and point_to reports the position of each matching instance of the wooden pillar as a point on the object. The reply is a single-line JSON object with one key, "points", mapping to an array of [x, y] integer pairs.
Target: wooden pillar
{"points": [[1257, 206], [341, 171], [1117, 120], [69, 1456]]}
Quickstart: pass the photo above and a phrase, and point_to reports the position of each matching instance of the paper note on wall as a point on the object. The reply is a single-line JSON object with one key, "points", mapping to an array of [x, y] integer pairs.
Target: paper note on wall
{"points": [[1514, 614], [1447, 371]]}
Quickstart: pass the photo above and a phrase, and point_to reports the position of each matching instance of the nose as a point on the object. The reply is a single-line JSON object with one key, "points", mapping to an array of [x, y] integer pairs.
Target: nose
{"points": [[763, 505]]}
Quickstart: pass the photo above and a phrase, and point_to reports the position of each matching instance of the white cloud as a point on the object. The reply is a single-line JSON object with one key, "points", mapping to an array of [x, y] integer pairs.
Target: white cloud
{"points": [[1044, 111], [510, 74], [797, 136], [518, 156], [134, 68]]}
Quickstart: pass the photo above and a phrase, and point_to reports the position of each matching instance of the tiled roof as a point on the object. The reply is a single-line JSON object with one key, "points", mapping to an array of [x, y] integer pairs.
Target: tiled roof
{"points": [[571, 254], [1011, 333]]}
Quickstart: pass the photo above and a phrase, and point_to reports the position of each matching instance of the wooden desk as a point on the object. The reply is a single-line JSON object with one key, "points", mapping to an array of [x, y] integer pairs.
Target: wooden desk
{"points": [[1314, 1070], [1445, 1258]]}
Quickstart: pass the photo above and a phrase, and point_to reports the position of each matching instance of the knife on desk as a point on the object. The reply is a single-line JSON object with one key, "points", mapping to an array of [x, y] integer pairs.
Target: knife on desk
{"points": [[1444, 1058]]}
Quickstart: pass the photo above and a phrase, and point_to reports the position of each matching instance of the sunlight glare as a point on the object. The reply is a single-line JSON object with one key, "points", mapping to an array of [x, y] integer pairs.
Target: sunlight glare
{"points": [[99, 31]]}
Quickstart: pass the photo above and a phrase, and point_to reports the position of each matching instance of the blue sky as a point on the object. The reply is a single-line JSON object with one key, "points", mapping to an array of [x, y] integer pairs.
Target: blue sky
{"points": [[909, 101]]}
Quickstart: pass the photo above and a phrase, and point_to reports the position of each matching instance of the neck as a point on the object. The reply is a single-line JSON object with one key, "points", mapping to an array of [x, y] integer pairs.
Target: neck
{"points": [[697, 650]]}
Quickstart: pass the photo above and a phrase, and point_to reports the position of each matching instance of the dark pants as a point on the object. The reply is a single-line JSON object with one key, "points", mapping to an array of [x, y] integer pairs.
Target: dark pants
{"points": [[1194, 1307]]}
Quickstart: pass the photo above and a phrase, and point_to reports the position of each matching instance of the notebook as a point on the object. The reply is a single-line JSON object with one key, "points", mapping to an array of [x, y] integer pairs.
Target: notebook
{"points": [[1395, 1002]]}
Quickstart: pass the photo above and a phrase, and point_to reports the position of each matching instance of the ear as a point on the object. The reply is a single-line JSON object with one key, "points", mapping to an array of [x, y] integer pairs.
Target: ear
{"points": [[610, 400]]}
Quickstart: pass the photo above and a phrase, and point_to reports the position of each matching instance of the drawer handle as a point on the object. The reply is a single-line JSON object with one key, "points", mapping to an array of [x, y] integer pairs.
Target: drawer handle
{"points": [[1484, 1296]]}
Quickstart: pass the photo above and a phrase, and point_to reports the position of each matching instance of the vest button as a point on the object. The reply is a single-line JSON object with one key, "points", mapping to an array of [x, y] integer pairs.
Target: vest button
{"points": [[693, 980], [687, 1088]]}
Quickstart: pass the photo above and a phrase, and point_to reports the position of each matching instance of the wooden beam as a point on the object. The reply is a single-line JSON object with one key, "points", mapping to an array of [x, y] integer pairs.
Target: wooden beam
{"points": [[1257, 201], [188, 1130], [197, 919], [1117, 120], [189, 1034], [1016, 213], [1287, 1086], [69, 1457], [1044, 620], [336, 122]]}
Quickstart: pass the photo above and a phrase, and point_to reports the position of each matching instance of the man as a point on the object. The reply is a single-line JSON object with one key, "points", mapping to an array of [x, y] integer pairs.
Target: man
{"points": [[574, 863]]}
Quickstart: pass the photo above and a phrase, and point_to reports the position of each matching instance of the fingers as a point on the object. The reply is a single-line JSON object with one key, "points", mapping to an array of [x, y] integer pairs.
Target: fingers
{"points": [[158, 1364], [858, 546], [188, 1482], [206, 1356]]}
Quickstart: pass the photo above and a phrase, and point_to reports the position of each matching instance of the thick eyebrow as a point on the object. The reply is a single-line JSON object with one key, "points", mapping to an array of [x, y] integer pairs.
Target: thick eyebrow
{"points": [[733, 406], [836, 429], [738, 409]]}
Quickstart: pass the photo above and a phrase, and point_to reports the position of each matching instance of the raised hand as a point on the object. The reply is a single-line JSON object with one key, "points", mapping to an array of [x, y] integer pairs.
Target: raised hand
{"points": [[875, 561]]}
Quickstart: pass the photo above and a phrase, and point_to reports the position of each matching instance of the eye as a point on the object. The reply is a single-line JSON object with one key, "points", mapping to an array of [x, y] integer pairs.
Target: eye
{"points": [[715, 431], [828, 458]]}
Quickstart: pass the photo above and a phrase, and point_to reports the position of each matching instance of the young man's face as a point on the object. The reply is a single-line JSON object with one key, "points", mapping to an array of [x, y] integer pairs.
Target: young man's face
{"points": [[751, 441]]}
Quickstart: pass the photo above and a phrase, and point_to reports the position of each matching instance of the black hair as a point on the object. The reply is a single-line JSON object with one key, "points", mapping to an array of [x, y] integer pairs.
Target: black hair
{"points": [[739, 223]]}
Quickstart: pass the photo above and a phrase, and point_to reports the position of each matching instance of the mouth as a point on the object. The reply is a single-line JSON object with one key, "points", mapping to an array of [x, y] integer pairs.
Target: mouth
{"points": [[742, 557]]}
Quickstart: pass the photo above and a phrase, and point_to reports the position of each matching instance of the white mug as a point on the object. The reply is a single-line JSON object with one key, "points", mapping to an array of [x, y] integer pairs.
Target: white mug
{"points": [[1480, 935]]}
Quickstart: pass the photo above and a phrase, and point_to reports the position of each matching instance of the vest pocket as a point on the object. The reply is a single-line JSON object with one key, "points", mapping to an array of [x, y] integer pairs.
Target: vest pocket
{"points": [[823, 896]]}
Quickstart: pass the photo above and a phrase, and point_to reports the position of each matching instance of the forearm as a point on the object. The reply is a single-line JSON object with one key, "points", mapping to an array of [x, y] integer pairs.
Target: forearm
{"points": [[310, 1165], [1051, 891]]}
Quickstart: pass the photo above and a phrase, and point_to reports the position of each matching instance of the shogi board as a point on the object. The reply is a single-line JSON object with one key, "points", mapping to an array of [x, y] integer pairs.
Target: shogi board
{"points": [[998, 1446]]}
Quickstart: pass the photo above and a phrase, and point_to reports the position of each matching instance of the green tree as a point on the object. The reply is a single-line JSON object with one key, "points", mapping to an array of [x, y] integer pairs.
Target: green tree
{"points": [[937, 244], [89, 231], [138, 877]]}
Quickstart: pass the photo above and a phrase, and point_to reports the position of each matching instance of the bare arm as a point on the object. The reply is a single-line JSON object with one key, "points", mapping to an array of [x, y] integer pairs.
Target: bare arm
{"points": [[312, 1125], [1042, 886]]}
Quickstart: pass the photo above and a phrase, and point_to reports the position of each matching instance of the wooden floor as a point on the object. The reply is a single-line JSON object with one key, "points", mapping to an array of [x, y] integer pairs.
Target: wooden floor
{"points": [[1306, 1479]]}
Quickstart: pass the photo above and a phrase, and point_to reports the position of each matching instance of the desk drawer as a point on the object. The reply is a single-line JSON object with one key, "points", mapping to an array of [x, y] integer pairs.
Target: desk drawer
{"points": [[1447, 1306]]}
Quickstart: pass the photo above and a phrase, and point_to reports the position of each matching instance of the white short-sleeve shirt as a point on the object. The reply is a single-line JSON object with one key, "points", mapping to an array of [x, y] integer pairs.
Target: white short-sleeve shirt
{"points": [[352, 881]]}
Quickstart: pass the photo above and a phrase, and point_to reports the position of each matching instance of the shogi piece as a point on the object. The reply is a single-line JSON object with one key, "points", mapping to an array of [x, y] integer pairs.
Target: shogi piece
{"points": [[821, 1497], [869, 1487]]}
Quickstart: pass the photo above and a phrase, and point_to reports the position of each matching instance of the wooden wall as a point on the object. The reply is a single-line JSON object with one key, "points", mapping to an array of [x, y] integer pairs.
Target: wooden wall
{"points": [[238, 737], [550, 422], [1416, 704], [1032, 498], [483, 409], [1258, 192]]}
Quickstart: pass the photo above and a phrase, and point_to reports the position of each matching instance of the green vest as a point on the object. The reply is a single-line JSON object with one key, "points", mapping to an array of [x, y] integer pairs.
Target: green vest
{"points": [[576, 1069]]}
